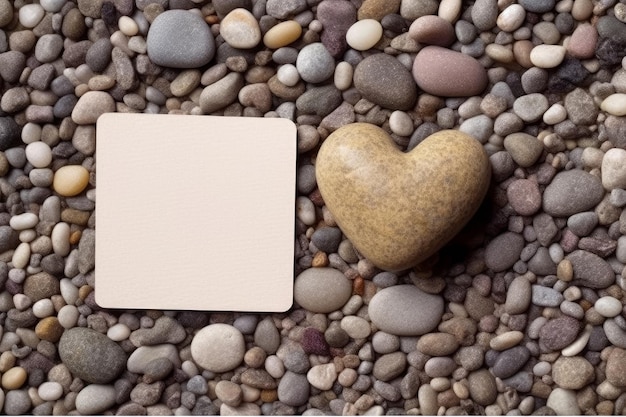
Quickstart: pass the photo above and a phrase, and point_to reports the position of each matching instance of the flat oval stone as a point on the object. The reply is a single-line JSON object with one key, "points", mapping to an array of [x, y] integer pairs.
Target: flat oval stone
{"points": [[432, 30], [572, 192], [364, 34], [394, 310], [218, 347], [400, 208], [282, 34], [180, 39], [240, 29], [70, 180], [322, 290], [443, 72], [615, 104], [370, 77]]}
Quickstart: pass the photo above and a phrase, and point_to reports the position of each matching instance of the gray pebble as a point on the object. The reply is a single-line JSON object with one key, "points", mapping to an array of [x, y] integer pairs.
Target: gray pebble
{"points": [[510, 361], [518, 296], [293, 389], [546, 296], [572, 192], [581, 108], [531, 107], [266, 336], [17, 402], [558, 333], [314, 63], [48, 48], [541, 263], [537, 6], [9, 238], [91, 356], [484, 14], [165, 330], [319, 100], [180, 39], [327, 239], [590, 270], [503, 251], [221, 93], [614, 333], [9, 132], [197, 385], [87, 251], [582, 223]]}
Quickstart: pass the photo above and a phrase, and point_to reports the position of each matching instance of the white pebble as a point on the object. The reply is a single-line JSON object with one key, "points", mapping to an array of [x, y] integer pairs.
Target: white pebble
{"points": [[21, 256], [401, 123], [52, 6], [305, 210], [288, 74], [190, 368], [21, 301], [555, 114], [322, 377], [614, 169], [39, 154], [30, 15], [68, 316], [547, 56], [69, 291], [556, 253], [43, 308], [118, 332], [577, 345], [31, 132], [128, 26], [511, 18], [60, 238], [28, 235], [356, 327], [450, 10], [343, 75], [50, 391], [542, 368], [364, 34], [615, 104], [608, 306], [24, 221], [274, 366], [95, 398]]}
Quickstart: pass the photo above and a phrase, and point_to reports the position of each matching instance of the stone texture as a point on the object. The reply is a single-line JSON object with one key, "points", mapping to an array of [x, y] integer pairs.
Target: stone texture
{"points": [[572, 192], [414, 216], [322, 290]]}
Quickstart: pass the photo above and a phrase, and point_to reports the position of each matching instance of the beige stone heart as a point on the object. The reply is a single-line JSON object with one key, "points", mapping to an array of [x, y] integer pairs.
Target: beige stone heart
{"points": [[400, 208]]}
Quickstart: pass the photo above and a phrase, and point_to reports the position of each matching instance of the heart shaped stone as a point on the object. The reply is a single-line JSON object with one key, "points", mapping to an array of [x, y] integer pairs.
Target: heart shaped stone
{"points": [[400, 208]]}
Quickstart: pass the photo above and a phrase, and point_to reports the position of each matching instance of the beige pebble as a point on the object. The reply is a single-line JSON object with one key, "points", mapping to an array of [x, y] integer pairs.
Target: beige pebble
{"points": [[343, 75], [506, 340], [70, 180], [555, 114], [511, 18], [547, 56], [500, 53], [364, 34], [92, 105], [128, 26], [14, 378], [282, 34], [240, 29], [615, 104], [21, 256], [449, 9]]}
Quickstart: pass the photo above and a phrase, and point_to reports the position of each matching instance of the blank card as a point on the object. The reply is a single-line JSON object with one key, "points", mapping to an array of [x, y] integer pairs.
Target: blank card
{"points": [[195, 212]]}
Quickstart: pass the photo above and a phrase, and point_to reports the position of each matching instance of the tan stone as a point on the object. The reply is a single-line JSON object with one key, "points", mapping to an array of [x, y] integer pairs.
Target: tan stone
{"points": [[282, 34], [70, 180], [399, 208]]}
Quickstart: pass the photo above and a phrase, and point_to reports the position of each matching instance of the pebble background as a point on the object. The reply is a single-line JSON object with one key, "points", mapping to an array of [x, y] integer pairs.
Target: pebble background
{"points": [[523, 313]]}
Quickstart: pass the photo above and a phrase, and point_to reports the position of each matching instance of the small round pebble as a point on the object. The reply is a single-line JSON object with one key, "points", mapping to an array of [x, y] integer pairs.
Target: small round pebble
{"points": [[240, 29], [95, 398], [218, 347], [314, 63], [322, 290], [70, 180], [608, 306], [364, 34]]}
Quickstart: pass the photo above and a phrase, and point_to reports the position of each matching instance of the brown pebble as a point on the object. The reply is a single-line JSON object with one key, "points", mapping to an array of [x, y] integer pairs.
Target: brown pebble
{"points": [[358, 285], [320, 259], [269, 395], [49, 329]]}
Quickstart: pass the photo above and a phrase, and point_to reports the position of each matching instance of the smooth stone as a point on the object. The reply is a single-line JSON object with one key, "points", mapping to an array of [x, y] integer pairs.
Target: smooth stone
{"points": [[364, 34], [70, 180], [518, 296], [443, 72], [581, 107], [282, 34], [142, 356], [524, 148], [14, 378], [336, 18], [50, 391], [572, 192], [240, 29], [323, 376], [322, 290], [30, 15], [39, 154], [95, 398], [450, 176], [503, 251], [616, 368], [180, 39], [582, 44], [24, 221], [437, 344], [482, 387], [91, 356], [92, 105], [218, 347], [614, 333], [614, 168], [314, 63], [614, 104], [558, 333], [432, 30], [608, 306], [563, 402], [221, 93], [6, 12], [510, 361], [293, 389], [511, 18], [392, 310], [572, 372], [368, 80], [547, 56], [590, 270]]}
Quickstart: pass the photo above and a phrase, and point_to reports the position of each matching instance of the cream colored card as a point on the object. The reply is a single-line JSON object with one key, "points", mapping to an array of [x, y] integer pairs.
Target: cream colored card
{"points": [[195, 212]]}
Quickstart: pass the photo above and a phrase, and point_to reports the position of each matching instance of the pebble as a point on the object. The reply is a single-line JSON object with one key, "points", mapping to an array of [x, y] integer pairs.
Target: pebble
{"points": [[139, 360], [482, 387], [432, 30], [615, 333], [70, 180], [511, 18], [293, 389], [17, 402], [391, 308], [558, 333], [590, 270], [314, 63], [91, 356], [50, 391], [616, 368], [572, 372], [608, 306], [336, 18], [282, 34], [510, 361], [369, 76], [322, 377], [356, 327], [221, 93], [572, 192], [582, 44], [503, 251], [165, 330], [39, 154], [30, 15], [563, 402], [389, 366], [92, 105], [437, 344], [180, 39], [14, 378], [580, 106], [364, 34], [614, 104], [95, 398], [448, 73], [218, 347], [240, 29], [322, 290]]}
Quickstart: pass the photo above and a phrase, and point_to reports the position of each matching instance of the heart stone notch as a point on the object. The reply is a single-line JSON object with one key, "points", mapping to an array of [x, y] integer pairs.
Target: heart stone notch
{"points": [[398, 208]]}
